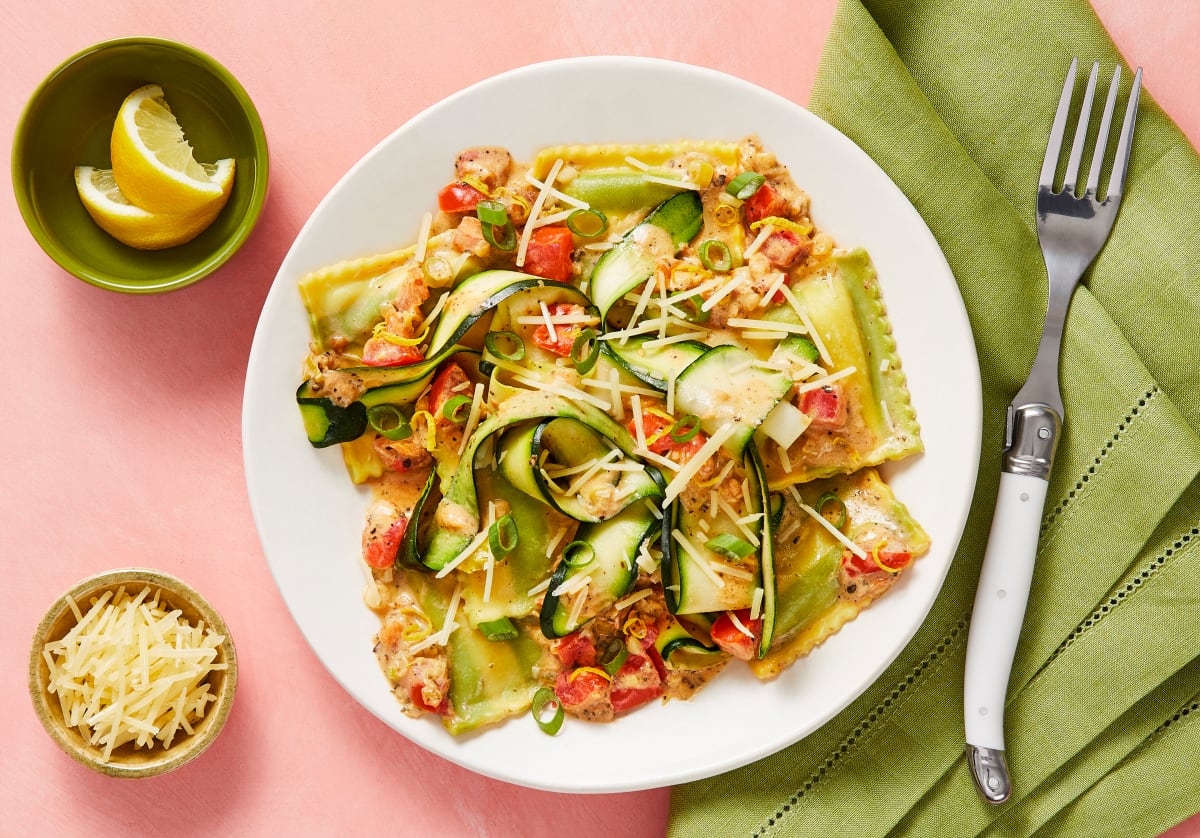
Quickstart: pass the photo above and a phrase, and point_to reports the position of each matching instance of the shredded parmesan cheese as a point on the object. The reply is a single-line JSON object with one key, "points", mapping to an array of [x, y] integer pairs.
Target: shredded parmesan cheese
{"points": [[442, 636], [729, 570], [692, 468], [575, 583], [557, 319], [818, 383], [784, 459], [808, 324], [549, 321], [739, 278], [577, 605], [639, 427], [773, 289], [694, 555], [768, 325], [763, 235], [472, 418], [547, 220], [471, 547], [132, 671], [739, 625], [423, 236], [636, 596], [756, 603], [657, 342], [823, 521], [539, 202], [700, 289], [565, 390], [887, 415], [552, 545], [733, 516]]}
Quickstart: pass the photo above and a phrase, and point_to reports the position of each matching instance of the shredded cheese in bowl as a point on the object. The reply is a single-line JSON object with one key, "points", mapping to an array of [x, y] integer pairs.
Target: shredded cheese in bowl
{"points": [[132, 673]]}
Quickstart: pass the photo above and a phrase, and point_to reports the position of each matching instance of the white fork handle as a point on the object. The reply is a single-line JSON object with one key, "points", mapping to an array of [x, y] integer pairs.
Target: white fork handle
{"points": [[996, 626]]}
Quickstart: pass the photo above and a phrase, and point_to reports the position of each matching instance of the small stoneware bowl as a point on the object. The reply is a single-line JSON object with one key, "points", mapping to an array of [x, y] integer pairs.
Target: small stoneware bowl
{"points": [[127, 760], [68, 122]]}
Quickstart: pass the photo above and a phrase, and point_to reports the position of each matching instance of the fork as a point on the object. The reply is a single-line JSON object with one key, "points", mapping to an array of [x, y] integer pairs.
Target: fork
{"points": [[1071, 230]]}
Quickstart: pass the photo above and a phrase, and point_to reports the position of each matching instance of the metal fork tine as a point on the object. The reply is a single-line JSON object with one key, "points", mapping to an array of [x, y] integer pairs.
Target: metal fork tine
{"points": [[1085, 115], [1093, 181], [1116, 183], [1050, 163]]}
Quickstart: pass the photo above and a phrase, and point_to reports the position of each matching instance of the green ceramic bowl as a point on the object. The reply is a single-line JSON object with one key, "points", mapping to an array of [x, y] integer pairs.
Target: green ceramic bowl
{"points": [[68, 122]]}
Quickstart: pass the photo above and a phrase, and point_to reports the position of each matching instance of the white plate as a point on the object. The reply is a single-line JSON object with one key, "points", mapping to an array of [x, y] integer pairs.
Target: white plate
{"points": [[309, 516]]}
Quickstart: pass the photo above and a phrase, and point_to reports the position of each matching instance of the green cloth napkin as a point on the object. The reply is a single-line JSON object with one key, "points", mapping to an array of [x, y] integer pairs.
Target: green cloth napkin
{"points": [[954, 99]]}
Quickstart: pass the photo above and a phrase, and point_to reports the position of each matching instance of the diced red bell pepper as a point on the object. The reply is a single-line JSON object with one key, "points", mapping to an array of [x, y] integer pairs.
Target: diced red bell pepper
{"points": [[893, 560], [654, 425], [783, 248], [381, 550], [459, 197], [763, 203], [564, 334], [825, 406], [447, 384], [636, 682], [417, 694], [574, 687], [549, 253], [576, 650], [732, 640], [380, 352]]}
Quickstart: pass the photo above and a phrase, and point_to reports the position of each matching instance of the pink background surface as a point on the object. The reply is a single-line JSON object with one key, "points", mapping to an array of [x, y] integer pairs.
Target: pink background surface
{"points": [[126, 418]]}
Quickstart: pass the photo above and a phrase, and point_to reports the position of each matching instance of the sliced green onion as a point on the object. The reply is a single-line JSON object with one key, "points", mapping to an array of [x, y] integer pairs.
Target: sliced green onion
{"points": [[438, 269], [496, 226], [730, 546], [457, 409], [492, 212], [685, 428], [722, 262], [839, 508], [506, 240], [494, 342], [585, 351], [503, 537], [578, 554], [614, 656], [501, 629], [588, 223], [745, 185], [543, 700], [387, 421], [696, 304]]}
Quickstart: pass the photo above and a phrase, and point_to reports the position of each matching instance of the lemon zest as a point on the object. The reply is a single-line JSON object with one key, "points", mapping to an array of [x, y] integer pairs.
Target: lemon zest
{"points": [[801, 228], [593, 669], [634, 627], [381, 331], [688, 268], [875, 555], [430, 430], [476, 183], [725, 215]]}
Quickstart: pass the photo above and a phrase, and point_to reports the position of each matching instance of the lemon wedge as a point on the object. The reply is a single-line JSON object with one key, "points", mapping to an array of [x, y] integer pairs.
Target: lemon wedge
{"points": [[142, 229], [153, 161]]}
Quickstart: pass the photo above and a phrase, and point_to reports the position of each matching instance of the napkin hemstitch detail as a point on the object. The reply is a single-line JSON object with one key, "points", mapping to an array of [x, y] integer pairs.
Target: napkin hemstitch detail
{"points": [[927, 666]]}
